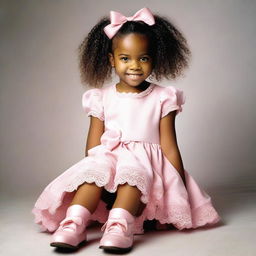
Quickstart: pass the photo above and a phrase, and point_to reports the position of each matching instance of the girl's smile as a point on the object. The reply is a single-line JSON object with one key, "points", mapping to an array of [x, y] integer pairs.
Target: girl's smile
{"points": [[131, 61]]}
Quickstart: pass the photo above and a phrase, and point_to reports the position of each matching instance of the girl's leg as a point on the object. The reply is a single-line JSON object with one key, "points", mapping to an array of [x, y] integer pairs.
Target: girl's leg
{"points": [[72, 230], [128, 198], [119, 229], [88, 195]]}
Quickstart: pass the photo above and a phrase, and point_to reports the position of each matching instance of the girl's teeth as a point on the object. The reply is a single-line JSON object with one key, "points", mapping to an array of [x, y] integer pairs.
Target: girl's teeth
{"points": [[133, 76]]}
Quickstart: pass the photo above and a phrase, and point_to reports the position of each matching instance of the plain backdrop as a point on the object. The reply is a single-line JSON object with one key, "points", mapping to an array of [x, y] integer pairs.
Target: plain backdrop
{"points": [[43, 126]]}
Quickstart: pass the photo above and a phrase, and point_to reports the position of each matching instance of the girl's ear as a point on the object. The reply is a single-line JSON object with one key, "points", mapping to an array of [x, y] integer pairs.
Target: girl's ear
{"points": [[111, 59]]}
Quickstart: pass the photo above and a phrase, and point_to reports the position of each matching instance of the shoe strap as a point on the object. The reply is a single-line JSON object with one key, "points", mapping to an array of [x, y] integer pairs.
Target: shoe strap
{"points": [[70, 220], [111, 223]]}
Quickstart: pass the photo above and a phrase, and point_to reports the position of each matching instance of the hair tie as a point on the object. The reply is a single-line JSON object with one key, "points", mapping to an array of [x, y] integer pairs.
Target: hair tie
{"points": [[118, 19]]}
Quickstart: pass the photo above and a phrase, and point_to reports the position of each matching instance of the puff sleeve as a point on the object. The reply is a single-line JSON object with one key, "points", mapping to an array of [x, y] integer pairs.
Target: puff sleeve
{"points": [[171, 99], [92, 102]]}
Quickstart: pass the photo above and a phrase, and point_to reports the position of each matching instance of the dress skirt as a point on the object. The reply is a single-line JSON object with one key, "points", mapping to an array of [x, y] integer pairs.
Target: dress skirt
{"points": [[140, 164]]}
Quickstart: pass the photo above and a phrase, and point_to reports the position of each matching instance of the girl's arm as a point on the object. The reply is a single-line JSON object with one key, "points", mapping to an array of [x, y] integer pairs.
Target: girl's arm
{"points": [[168, 142], [96, 129]]}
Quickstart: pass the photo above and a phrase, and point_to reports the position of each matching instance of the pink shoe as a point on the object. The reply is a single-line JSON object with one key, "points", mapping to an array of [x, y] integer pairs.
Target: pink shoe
{"points": [[119, 230], [71, 231]]}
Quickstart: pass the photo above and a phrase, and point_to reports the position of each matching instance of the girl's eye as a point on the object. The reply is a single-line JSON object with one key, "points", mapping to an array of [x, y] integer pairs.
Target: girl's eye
{"points": [[124, 58], [144, 59]]}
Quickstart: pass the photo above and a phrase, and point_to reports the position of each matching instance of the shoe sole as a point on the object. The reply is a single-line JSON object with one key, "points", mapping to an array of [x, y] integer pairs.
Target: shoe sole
{"points": [[115, 249], [66, 246]]}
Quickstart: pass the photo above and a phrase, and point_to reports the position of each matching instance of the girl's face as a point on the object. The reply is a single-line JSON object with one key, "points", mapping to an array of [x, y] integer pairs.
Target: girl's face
{"points": [[131, 59]]}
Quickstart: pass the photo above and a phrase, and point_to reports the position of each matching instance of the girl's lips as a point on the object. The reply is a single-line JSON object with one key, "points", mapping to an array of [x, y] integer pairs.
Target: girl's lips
{"points": [[134, 76]]}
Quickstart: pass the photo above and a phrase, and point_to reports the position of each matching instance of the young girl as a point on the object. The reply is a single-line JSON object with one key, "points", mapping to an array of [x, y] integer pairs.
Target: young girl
{"points": [[133, 170]]}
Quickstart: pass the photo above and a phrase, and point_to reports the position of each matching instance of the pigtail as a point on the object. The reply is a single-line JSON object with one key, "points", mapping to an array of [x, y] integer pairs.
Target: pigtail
{"points": [[94, 63], [173, 53]]}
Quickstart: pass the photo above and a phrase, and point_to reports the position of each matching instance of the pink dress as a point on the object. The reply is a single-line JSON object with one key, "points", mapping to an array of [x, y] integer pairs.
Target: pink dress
{"points": [[130, 153]]}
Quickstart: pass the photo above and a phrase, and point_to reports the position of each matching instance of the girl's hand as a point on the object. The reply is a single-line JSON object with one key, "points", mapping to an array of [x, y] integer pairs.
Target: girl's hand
{"points": [[168, 142]]}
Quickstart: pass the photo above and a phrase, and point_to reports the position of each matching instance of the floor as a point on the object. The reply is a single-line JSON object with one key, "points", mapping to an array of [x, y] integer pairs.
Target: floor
{"points": [[235, 236]]}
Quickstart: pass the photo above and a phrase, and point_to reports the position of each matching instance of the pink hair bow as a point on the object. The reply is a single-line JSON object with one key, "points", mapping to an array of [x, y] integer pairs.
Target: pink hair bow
{"points": [[118, 19]]}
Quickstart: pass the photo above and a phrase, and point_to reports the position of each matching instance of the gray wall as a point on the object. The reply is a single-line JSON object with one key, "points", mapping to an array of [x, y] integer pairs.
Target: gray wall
{"points": [[43, 127]]}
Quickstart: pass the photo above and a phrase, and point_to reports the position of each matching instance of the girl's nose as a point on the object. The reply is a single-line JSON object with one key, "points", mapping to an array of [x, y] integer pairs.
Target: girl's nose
{"points": [[135, 65]]}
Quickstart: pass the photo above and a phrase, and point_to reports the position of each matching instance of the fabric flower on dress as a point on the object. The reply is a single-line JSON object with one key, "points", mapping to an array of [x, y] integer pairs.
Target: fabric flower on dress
{"points": [[111, 138]]}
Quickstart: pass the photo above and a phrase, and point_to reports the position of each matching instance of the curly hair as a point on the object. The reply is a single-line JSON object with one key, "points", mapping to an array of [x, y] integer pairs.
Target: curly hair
{"points": [[168, 48]]}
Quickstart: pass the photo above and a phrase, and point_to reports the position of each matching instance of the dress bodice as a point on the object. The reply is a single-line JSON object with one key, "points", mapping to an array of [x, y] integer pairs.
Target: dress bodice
{"points": [[132, 116]]}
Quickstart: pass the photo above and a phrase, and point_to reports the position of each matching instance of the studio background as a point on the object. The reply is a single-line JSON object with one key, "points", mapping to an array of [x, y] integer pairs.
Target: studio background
{"points": [[43, 127]]}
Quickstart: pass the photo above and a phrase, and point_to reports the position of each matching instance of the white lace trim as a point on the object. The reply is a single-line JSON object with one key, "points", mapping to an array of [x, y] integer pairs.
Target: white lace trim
{"points": [[170, 109], [133, 177], [90, 176], [96, 114], [179, 216], [205, 214], [43, 210], [135, 94]]}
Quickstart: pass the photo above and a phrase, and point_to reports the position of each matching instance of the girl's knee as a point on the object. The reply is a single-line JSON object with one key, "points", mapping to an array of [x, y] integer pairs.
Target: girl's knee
{"points": [[128, 188]]}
